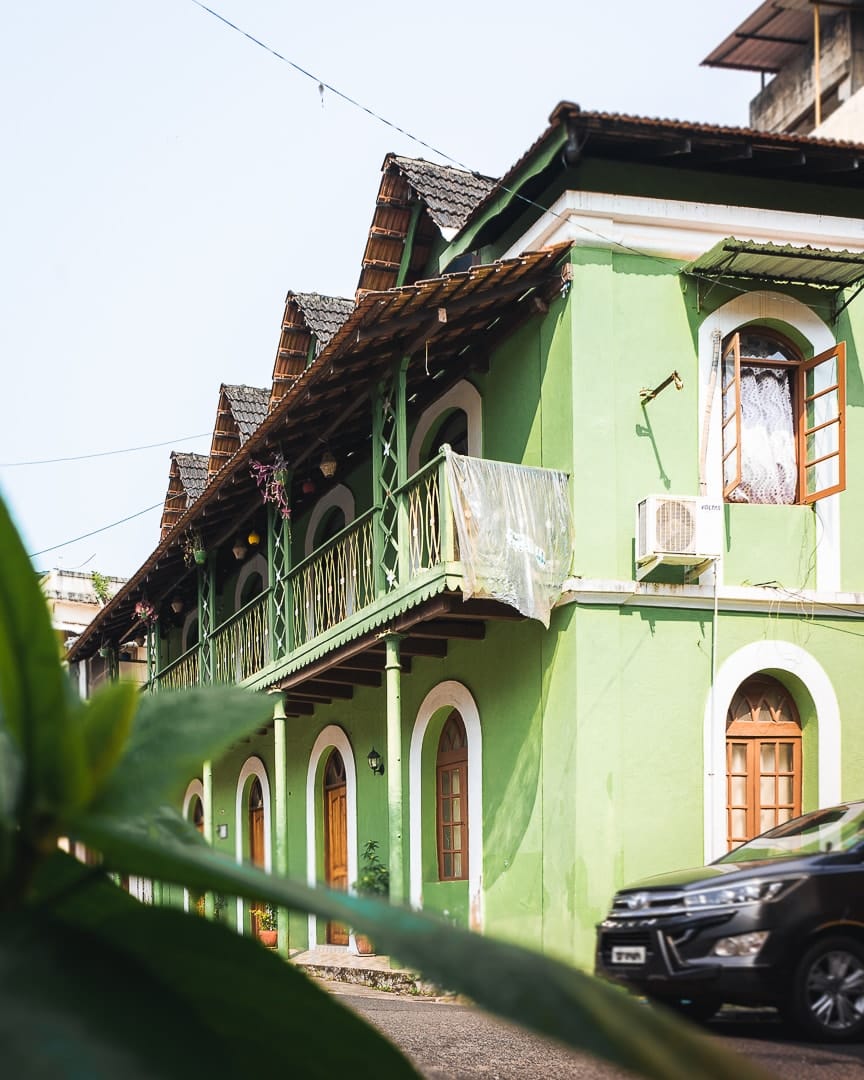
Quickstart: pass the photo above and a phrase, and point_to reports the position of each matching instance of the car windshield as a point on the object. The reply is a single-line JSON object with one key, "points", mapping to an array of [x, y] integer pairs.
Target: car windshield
{"points": [[835, 829]]}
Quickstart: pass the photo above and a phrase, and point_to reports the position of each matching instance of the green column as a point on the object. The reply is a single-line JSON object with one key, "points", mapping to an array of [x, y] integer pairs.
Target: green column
{"points": [[393, 672], [280, 811], [209, 826]]}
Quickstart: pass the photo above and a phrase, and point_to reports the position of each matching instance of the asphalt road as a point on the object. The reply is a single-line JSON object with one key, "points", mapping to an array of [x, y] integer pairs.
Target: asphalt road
{"points": [[449, 1041]]}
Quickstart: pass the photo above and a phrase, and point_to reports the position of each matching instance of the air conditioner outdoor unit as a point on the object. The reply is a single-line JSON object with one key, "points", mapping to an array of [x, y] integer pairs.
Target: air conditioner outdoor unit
{"points": [[679, 530]]}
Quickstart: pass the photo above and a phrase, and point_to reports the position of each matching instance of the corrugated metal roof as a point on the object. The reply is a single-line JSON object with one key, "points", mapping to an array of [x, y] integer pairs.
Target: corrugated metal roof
{"points": [[775, 33], [780, 262]]}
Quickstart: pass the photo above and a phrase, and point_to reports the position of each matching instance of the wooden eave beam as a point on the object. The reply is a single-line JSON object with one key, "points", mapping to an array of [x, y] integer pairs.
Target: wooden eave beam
{"points": [[293, 707], [473, 630], [330, 688]]}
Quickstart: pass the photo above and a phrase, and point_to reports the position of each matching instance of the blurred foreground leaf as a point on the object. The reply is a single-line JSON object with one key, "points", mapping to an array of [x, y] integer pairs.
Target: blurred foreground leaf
{"points": [[523, 986], [94, 984]]}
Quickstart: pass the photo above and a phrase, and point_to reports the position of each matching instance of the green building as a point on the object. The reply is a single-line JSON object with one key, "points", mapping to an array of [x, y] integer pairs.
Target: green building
{"points": [[641, 346]]}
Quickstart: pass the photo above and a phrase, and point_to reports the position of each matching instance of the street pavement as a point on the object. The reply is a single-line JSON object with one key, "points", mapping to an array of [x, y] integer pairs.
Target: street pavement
{"points": [[448, 1041]]}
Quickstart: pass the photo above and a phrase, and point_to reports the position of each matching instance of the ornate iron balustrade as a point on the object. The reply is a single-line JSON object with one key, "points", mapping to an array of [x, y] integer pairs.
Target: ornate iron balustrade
{"points": [[180, 673], [422, 496], [241, 645], [334, 581]]}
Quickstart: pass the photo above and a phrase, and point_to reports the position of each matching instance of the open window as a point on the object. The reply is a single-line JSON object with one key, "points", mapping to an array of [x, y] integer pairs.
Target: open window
{"points": [[784, 420]]}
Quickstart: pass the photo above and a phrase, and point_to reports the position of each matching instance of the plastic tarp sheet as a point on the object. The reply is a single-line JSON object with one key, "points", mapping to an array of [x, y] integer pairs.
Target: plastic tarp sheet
{"points": [[515, 531]]}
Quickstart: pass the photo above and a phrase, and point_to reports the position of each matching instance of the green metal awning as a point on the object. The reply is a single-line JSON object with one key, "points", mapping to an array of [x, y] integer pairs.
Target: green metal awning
{"points": [[733, 258]]}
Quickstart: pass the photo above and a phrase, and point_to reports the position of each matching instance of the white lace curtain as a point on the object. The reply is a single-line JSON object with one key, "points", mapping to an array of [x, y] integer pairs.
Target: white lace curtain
{"points": [[769, 472]]}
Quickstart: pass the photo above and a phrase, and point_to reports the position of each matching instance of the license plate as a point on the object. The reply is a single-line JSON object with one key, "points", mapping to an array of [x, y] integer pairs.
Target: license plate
{"points": [[628, 954]]}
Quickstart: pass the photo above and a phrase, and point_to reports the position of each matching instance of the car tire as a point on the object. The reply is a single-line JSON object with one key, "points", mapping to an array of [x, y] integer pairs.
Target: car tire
{"points": [[827, 996]]}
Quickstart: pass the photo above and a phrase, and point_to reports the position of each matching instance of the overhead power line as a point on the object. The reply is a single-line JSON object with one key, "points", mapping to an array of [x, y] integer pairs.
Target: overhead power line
{"points": [[101, 453], [104, 528]]}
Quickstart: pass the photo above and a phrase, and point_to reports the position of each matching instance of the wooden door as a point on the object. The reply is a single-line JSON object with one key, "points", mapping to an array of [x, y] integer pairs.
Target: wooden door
{"points": [[256, 841], [763, 759], [336, 837]]}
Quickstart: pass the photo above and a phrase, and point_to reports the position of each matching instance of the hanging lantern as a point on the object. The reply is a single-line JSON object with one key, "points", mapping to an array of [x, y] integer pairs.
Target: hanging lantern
{"points": [[328, 464]]}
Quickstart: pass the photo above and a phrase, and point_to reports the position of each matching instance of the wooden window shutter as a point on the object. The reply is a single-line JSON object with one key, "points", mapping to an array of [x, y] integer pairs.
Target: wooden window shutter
{"points": [[730, 392], [822, 425]]}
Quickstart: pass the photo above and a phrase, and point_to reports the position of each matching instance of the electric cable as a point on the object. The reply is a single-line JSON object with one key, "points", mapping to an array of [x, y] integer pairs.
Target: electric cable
{"points": [[94, 532], [102, 453]]}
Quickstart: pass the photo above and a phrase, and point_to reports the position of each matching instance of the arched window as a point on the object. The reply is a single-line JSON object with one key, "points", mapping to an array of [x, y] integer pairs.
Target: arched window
{"points": [[763, 759], [783, 419], [452, 800], [336, 836], [453, 429], [332, 523]]}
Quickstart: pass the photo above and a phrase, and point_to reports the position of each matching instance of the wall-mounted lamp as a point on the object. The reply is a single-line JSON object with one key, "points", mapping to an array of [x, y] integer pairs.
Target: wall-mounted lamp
{"points": [[222, 832], [239, 550], [328, 464], [177, 605], [646, 395], [375, 762], [253, 538]]}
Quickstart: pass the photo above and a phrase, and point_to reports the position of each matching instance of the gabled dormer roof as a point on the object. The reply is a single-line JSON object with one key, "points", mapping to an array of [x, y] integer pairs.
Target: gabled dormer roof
{"points": [[186, 480], [421, 202], [241, 410], [310, 320]]}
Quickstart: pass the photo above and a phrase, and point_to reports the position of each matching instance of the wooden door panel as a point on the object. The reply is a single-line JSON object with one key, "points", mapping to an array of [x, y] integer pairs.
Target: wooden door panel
{"points": [[336, 852]]}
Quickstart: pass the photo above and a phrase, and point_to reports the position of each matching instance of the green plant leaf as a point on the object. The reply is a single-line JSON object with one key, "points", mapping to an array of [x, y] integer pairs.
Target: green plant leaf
{"points": [[95, 984], [33, 685], [523, 986], [106, 719], [171, 735]]}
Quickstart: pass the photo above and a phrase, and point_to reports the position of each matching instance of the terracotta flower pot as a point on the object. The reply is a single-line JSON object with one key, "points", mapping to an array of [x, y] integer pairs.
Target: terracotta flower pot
{"points": [[364, 946], [268, 938]]}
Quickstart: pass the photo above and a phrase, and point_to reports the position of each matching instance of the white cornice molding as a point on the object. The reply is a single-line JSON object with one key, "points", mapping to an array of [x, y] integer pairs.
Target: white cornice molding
{"points": [[769, 600], [675, 229]]}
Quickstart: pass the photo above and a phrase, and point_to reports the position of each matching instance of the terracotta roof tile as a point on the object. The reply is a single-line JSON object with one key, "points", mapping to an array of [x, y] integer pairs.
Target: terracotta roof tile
{"points": [[248, 406], [324, 314], [450, 194]]}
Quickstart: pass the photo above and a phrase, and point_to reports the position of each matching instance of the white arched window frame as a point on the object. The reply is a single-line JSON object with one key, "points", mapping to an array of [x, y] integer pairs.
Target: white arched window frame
{"points": [[188, 622], [773, 657], [759, 306], [463, 395], [253, 768], [332, 737], [195, 790], [448, 695], [339, 497], [256, 565]]}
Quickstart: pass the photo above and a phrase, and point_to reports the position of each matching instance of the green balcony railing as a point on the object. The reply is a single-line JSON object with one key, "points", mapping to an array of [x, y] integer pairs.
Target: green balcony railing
{"points": [[182, 672], [241, 645], [335, 581]]}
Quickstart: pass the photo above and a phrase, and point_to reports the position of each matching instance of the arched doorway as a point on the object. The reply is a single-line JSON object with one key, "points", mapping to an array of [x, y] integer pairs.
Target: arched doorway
{"points": [[257, 846], [336, 836], [763, 759], [451, 769]]}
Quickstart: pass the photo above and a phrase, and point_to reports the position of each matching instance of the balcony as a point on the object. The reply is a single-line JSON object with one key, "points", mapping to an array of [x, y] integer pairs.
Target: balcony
{"points": [[392, 568]]}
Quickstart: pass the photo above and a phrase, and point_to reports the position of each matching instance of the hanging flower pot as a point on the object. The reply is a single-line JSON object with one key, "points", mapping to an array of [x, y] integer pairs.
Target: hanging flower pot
{"points": [[200, 556]]}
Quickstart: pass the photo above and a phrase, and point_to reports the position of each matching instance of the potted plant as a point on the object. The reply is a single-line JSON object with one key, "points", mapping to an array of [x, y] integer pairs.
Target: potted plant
{"points": [[266, 925], [373, 880]]}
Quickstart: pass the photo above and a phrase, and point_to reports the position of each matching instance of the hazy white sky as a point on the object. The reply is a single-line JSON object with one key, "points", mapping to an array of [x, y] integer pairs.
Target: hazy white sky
{"points": [[166, 181]]}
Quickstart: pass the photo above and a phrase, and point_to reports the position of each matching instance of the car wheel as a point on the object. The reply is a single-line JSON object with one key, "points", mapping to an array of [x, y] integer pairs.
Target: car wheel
{"points": [[827, 998]]}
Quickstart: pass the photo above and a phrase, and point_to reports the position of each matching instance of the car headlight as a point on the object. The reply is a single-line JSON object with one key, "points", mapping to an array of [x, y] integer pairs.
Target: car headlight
{"points": [[744, 892], [741, 944]]}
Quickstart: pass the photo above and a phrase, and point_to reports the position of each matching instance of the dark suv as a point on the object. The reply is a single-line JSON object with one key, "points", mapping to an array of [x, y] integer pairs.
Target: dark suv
{"points": [[778, 921]]}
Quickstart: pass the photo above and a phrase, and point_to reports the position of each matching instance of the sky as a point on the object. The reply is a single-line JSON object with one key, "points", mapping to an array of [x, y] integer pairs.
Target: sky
{"points": [[166, 181]]}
